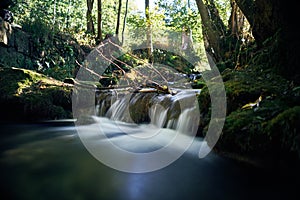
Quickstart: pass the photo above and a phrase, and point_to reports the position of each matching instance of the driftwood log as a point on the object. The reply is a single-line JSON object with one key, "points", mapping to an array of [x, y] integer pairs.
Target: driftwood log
{"points": [[147, 87]]}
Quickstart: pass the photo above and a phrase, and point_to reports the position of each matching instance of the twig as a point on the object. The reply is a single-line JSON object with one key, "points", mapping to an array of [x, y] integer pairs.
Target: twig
{"points": [[147, 63], [89, 70]]}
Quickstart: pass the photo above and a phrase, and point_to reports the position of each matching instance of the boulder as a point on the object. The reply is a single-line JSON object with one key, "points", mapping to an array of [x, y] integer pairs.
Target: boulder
{"points": [[28, 95]]}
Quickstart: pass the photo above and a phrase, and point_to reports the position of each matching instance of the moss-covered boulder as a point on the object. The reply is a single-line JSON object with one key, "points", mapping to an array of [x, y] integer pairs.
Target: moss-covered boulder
{"points": [[27, 95], [263, 114]]}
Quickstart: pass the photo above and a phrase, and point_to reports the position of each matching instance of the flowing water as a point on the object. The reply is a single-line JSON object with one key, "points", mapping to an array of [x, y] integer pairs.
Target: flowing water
{"points": [[161, 110], [47, 160]]}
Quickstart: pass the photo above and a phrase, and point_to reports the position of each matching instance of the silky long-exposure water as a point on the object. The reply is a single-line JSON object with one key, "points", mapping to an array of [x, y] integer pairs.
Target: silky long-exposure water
{"points": [[48, 161]]}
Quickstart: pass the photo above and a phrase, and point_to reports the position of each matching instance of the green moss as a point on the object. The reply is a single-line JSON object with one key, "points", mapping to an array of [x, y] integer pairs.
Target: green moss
{"points": [[271, 128], [25, 94], [242, 133], [14, 80], [246, 86], [286, 128], [268, 130]]}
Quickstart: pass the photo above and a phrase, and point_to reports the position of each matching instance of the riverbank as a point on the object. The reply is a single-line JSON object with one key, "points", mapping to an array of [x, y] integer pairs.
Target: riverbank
{"points": [[263, 117], [261, 127], [26, 95]]}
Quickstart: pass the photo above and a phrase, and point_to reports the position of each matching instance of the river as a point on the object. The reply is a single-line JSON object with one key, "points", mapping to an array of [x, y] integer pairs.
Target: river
{"points": [[47, 160]]}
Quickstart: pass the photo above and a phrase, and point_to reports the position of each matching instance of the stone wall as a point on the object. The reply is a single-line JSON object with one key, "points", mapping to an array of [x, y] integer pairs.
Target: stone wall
{"points": [[38, 51], [15, 46]]}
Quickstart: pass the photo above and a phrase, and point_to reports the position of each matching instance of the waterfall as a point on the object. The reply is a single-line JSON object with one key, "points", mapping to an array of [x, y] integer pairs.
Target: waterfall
{"points": [[117, 110], [179, 112], [158, 115], [186, 121]]}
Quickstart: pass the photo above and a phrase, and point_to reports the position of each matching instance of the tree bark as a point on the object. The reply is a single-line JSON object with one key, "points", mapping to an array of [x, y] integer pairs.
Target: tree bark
{"points": [[263, 16], [236, 25], [149, 34], [218, 24], [90, 24], [124, 22], [119, 18], [99, 35], [276, 21], [210, 33]]}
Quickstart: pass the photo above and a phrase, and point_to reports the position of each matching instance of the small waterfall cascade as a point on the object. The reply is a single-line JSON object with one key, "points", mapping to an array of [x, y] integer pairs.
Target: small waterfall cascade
{"points": [[158, 115], [179, 112]]}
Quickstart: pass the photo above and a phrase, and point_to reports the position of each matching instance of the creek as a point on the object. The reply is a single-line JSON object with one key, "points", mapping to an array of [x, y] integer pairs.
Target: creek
{"points": [[49, 160]]}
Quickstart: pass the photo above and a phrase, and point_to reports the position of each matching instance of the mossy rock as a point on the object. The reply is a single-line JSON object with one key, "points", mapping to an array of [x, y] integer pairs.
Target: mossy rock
{"points": [[269, 129], [28, 95], [243, 87], [247, 86], [139, 108], [263, 133], [243, 133], [286, 128]]}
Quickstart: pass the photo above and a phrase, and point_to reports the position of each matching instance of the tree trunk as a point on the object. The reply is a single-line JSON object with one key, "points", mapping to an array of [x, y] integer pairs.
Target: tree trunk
{"points": [[212, 36], [263, 16], [90, 24], [119, 18], [188, 32], [275, 20], [236, 25], [149, 35], [99, 35], [218, 24], [187, 39], [232, 23], [124, 22]]}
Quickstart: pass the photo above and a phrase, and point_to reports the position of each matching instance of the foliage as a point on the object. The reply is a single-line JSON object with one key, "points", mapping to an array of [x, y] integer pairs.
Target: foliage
{"points": [[224, 9], [49, 23], [168, 20], [137, 25], [58, 55], [59, 15], [178, 15], [48, 20]]}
